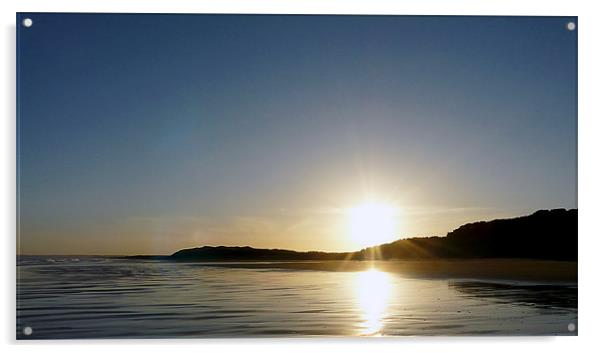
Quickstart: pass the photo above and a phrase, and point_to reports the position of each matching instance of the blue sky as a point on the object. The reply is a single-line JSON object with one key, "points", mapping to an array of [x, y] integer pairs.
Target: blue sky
{"points": [[148, 133]]}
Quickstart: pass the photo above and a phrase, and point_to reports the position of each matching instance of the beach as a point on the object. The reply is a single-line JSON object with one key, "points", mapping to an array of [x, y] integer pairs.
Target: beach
{"points": [[544, 271], [107, 297]]}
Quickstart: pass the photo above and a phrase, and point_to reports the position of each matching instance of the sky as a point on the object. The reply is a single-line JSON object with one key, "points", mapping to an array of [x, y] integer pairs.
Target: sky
{"points": [[146, 134]]}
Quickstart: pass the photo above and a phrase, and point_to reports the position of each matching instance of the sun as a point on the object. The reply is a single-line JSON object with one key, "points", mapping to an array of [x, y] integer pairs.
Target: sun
{"points": [[372, 223]]}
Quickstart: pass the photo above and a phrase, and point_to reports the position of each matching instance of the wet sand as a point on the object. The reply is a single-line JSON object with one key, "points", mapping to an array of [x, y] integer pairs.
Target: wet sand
{"points": [[482, 269], [115, 298]]}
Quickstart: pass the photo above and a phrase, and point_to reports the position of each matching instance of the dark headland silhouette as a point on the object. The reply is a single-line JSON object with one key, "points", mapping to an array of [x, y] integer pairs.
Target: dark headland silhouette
{"points": [[544, 235]]}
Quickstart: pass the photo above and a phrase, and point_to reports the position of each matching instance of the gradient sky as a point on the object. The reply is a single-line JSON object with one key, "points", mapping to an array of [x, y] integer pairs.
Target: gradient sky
{"points": [[145, 134]]}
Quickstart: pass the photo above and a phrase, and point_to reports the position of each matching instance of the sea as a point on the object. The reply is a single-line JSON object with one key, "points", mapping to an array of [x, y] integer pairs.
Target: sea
{"points": [[108, 297]]}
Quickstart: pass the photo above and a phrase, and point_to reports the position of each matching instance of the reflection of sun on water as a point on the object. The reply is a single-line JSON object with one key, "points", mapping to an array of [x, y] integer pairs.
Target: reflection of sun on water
{"points": [[373, 291]]}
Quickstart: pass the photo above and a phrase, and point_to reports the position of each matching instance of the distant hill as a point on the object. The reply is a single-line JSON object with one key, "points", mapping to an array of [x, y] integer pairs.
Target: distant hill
{"points": [[546, 234], [248, 253]]}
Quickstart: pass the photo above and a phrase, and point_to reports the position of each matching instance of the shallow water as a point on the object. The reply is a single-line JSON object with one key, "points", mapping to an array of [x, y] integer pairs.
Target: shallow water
{"points": [[95, 297]]}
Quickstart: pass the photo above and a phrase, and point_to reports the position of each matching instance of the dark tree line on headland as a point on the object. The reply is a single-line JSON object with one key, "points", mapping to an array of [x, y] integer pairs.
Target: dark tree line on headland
{"points": [[546, 234], [543, 235]]}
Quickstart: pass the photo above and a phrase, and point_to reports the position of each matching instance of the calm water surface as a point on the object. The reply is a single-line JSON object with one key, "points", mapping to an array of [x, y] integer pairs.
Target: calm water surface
{"points": [[111, 298]]}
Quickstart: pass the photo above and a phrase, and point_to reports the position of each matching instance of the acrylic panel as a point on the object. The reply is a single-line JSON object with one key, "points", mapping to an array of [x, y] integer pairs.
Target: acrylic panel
{"points": [[200, 175]]}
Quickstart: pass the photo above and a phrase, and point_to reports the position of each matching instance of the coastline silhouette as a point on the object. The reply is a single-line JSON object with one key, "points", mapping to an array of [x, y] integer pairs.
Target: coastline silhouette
{"points": [[543, 235]]}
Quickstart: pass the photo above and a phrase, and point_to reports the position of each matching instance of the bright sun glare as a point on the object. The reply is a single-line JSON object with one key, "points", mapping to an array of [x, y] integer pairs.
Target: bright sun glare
{"points": [[372, 223]]}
